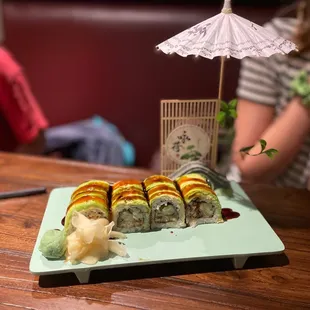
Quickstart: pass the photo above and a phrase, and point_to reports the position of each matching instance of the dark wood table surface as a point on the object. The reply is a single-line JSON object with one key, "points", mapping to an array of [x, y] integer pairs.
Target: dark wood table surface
{"points": [[268, 282]]}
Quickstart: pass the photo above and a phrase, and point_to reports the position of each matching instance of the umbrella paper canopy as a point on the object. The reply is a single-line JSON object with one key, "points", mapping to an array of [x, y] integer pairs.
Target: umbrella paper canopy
{"points": [[227, 34]]}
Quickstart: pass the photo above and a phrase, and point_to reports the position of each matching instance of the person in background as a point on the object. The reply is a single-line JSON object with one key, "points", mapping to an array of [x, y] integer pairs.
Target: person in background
{"points": [[266, 110], [22, 122]]}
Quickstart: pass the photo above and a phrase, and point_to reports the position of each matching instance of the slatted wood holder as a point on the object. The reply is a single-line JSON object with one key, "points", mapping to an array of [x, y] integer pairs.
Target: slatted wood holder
{"points": [[189, 132]]}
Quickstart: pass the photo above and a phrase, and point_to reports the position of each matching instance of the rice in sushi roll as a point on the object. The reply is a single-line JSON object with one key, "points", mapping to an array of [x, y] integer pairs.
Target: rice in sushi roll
{"points": [[129, 207], [166, 203], [90, 199], [202, 204]]}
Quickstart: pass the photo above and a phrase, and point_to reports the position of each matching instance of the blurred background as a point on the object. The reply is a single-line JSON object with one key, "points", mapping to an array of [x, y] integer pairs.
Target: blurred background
{"points": [[98, 58], [194, 2]]}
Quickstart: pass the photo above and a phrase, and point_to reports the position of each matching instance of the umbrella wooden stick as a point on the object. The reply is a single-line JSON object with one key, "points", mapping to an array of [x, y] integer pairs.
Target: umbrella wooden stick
{"points": [[226, 10], [221, 78], [217, 110]]}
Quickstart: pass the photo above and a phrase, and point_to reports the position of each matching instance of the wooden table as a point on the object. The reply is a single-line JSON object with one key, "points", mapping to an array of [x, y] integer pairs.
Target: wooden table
{"points": [[271, 282]]}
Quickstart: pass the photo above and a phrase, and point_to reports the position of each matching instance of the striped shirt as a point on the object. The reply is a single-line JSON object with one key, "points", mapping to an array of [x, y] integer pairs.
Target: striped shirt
{"points": [[267, 81]]}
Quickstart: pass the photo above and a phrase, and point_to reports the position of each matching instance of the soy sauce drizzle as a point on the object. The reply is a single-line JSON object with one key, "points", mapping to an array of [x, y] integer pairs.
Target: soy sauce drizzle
{"points": [[229, 214]]}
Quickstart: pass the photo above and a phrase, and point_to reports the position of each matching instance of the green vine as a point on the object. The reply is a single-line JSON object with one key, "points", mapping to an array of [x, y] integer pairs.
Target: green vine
{"points": [[270, 152], [226, 118]]}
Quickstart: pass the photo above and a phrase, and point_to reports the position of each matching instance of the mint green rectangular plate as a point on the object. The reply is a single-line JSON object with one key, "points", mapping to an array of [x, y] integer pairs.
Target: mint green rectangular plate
{"points": [[240, 238]]}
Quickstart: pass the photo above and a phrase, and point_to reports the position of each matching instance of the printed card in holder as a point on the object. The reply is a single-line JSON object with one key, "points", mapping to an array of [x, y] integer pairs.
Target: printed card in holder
{"points": [[189, 132]]}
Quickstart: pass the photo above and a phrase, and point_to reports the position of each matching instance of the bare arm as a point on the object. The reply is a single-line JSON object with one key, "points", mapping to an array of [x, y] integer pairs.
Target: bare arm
{"points": [[253, 119], [286, 134]]}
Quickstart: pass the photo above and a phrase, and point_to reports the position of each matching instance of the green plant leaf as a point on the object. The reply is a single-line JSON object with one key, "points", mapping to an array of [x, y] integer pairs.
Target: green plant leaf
{"points": [[195, 158], [224, 106], [186, 156], [190, 147], [233, 113], [263, 144], [246, 149], [233, 103], [271, 153], [196, 153], [220, 117]]}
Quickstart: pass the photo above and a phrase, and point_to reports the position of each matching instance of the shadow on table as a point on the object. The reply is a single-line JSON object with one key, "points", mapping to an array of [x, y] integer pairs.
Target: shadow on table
{"points": [[163, 270]]}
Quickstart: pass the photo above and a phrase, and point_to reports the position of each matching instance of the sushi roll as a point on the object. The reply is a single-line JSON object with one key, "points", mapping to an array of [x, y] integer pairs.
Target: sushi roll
{"points": [[129, 207], [202, 204], [91, 199], [93, 207], [168, 210]]}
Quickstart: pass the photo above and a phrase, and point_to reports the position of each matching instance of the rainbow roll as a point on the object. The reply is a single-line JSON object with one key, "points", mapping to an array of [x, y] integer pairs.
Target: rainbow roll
{"points": [[90, 199], [202, 204], [166, 203], [129, 207]]}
